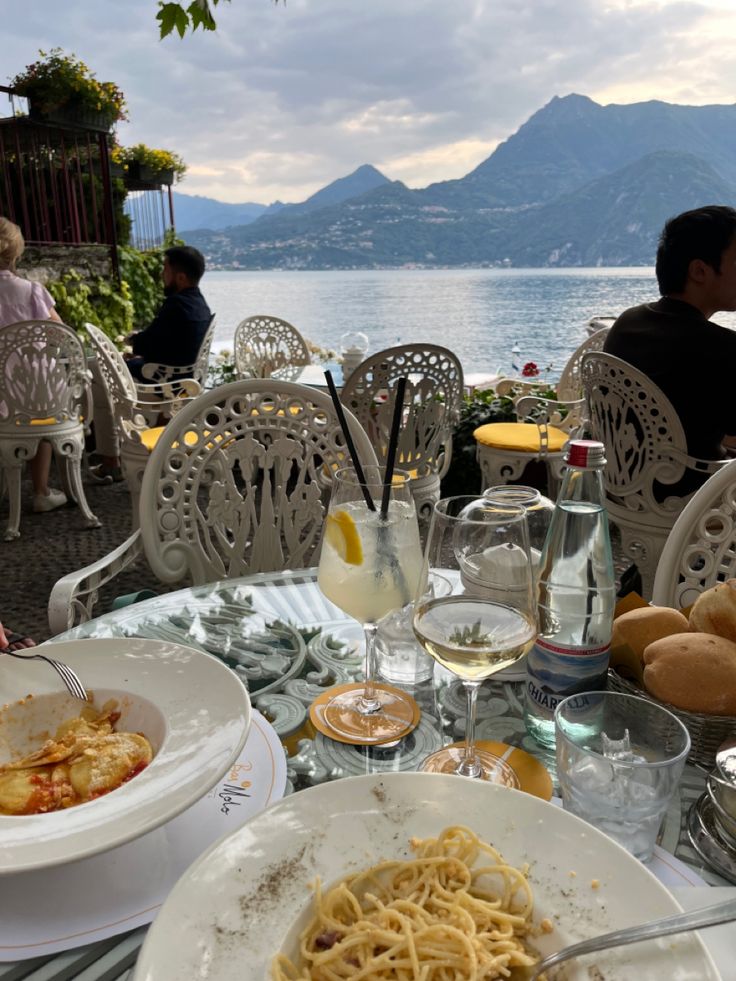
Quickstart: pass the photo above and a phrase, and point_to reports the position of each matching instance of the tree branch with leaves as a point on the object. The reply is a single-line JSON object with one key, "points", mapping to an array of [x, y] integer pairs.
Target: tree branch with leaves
{"points": [[177, 17]]}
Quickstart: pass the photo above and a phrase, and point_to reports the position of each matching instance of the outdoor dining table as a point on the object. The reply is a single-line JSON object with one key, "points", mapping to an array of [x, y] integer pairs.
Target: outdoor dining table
{"points": [[289, 643]]}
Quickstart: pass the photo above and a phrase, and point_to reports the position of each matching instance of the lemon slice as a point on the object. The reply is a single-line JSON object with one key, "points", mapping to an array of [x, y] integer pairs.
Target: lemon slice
{"points": [[341, 533]]}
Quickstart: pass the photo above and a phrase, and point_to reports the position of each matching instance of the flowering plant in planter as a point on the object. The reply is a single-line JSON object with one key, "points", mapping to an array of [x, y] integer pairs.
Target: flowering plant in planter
{"points": [[144, 163], [530, 370], [60, 83]]}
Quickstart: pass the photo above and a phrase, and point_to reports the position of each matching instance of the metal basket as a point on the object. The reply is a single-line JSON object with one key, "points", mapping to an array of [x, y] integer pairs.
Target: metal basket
{"points": [[707, 732]]}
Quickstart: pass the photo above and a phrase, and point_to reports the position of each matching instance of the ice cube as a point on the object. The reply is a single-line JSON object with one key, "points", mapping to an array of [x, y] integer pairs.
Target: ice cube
{"points": [[617, 749]]}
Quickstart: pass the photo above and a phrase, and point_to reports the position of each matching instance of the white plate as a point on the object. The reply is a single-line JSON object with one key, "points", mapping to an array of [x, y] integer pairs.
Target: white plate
{"points": [[57, 909], [235, 905], [193, 708]]}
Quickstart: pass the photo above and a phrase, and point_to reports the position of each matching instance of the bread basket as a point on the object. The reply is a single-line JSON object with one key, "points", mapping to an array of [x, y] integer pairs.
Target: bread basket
{"points": [[707, 732]]}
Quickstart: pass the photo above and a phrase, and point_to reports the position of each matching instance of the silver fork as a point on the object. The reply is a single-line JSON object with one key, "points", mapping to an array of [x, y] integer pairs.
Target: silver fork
{"points": [[693, 920], [70, 679]]}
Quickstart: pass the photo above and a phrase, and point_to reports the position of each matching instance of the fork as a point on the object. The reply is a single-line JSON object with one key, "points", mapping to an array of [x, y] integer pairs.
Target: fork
{"points": [[70, 679], [680, 922]]}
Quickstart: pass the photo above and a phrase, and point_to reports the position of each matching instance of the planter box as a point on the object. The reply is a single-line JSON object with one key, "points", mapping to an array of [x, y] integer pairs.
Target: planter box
{"points": [[73, 116], [143, 174]]}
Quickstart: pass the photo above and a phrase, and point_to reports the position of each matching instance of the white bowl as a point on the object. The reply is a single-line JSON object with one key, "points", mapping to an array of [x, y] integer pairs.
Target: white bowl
{"points": [[194, 710], [242, 901]]}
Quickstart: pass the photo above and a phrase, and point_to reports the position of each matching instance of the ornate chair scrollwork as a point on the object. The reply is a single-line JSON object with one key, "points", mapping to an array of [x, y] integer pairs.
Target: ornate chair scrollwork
{"points": [[167, 374], [131, 405], [238, 483], [432, 408], [505, 448], [263, 344], [700, 551], [44, 394], [646, 450]]}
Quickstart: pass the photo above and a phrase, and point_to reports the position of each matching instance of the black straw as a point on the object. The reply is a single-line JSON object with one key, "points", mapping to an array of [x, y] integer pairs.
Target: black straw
{"points": [[392, 445], [349, 441]]}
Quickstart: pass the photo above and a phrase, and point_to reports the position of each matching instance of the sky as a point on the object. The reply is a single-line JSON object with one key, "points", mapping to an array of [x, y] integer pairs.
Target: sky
{"points": [[285, 98]]}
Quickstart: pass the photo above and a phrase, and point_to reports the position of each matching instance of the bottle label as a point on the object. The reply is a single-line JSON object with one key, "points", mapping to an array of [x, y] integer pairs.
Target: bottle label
{"points": [[554, 672]]}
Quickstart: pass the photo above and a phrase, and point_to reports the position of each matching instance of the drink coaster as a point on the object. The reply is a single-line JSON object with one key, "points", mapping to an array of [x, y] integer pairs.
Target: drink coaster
{"points": [[317, 709], [532, 775]]}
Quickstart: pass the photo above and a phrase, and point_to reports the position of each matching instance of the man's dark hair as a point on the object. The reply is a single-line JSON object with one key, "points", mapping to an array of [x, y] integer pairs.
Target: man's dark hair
{"points": [[188, 260], [704, 234]]}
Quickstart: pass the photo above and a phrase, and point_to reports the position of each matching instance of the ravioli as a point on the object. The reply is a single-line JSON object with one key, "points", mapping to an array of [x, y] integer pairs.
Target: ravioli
{"points": [[84, 760]]}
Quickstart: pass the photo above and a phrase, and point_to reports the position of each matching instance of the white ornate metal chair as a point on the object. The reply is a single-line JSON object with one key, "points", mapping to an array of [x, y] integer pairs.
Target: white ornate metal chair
{"points": [[263, 344], [647, 453], [432, 407], [506, 448], [238, 483], [700, 550], [157, 374], [131, 403], [44, 394]]}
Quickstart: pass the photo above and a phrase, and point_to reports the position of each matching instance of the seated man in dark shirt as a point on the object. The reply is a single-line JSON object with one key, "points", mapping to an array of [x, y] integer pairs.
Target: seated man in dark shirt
{"points": [[176, 333], [174, 338], [674, 342]]}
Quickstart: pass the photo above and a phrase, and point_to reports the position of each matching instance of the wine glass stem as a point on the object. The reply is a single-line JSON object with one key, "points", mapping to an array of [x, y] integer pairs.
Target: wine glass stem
{"points": [[369, 702], [469, 766]]}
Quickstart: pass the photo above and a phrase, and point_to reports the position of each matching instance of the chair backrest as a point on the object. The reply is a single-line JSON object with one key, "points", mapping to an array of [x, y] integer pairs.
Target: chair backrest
{"points": [[161, 373], [640, 429], [263, 344], [239, 481], [570, 385], [700, 551], [43, 375], [118, 380], [432, 401]]}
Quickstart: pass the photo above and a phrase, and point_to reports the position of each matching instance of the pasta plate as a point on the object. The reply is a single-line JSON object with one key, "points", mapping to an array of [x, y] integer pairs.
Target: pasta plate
{"points": [[246, 898], [192, 708]]}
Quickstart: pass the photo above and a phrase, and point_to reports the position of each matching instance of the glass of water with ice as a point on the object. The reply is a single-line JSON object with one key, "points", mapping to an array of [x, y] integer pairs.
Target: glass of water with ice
{"points": [[619, 761]]}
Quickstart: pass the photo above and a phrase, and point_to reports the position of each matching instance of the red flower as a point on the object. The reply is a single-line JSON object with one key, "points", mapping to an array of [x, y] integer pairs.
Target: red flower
{"points": [[529, 370]]}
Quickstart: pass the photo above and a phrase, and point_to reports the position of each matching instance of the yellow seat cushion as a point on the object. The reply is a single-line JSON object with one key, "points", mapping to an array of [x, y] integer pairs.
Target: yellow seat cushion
{"points": [[50, 421], [520, 437], [149, 437]]}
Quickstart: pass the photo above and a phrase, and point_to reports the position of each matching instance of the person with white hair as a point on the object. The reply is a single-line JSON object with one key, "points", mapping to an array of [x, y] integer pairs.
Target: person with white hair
{"points": [[21, 300]]}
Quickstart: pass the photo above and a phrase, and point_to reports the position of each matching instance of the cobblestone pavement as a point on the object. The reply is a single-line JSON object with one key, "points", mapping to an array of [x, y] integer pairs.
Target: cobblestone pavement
{"points": [[54, 544]]}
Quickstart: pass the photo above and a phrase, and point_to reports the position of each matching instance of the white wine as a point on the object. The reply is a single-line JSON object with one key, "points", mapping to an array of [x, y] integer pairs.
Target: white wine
{"points": [[474, 638]]}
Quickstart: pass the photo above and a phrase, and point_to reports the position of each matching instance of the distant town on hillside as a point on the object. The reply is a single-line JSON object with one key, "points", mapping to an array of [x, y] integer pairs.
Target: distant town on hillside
{"points": [[579, 184]]}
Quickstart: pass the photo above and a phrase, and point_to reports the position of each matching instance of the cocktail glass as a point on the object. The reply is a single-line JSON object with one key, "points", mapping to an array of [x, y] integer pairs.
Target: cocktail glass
{"points": [[368, 567]]}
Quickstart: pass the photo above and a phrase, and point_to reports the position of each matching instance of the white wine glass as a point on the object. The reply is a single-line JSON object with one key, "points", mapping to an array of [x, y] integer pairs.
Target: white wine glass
{"points": [[369, 566], [487, 622]]}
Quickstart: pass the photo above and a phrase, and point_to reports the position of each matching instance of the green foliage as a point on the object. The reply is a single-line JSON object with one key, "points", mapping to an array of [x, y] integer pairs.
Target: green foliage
{"points": [[147, 156], [142, 272], [100, 302], [177, 17], [57, 79]]}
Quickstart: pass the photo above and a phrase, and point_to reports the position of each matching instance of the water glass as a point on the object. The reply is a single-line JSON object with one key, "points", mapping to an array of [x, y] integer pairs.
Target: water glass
{"points": [[619, 761], [399, 656]]}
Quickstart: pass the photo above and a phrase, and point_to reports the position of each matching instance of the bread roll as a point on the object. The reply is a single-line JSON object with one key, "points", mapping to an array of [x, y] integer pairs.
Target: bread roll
{"points": [[693, 671], [714, 611], [640, 628]]}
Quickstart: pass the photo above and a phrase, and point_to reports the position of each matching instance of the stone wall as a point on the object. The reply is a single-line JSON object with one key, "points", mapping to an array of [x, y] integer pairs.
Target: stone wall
{"points": [[46, 263]]}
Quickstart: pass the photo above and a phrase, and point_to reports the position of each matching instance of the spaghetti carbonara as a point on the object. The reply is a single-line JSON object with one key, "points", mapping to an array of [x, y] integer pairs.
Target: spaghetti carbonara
{"points": [[456, 912]]}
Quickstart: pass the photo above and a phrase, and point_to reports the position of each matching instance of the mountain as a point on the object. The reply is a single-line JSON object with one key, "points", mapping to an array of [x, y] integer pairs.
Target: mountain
{"points": [[577, 184], [364, 179], [194, 211]]}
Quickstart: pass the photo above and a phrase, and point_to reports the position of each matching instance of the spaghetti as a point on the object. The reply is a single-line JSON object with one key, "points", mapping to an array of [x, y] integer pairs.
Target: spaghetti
{"points": [[455, 912]]}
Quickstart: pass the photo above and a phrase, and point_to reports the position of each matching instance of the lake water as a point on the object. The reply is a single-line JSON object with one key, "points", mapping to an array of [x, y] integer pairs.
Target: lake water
{"points": [[480, 314]]}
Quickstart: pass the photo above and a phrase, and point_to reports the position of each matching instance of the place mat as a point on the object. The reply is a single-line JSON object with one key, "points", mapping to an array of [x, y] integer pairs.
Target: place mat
{"points": [[532, 775], [317, 708], [51, 910]]}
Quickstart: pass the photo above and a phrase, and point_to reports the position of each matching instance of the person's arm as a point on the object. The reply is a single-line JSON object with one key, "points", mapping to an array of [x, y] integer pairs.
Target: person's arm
{"points": [[151, 343], [53, 315]]}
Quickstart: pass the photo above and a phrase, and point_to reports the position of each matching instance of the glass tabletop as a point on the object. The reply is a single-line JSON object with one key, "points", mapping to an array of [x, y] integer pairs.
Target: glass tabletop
{"points": [[289, 644]]}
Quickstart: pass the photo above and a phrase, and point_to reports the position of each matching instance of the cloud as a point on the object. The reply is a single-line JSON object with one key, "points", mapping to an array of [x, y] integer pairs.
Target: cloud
{"points": [[285, 98]]}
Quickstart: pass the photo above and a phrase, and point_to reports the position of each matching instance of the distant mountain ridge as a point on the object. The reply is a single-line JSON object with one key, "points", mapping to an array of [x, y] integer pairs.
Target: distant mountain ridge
{"points": [[577, 184]]}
